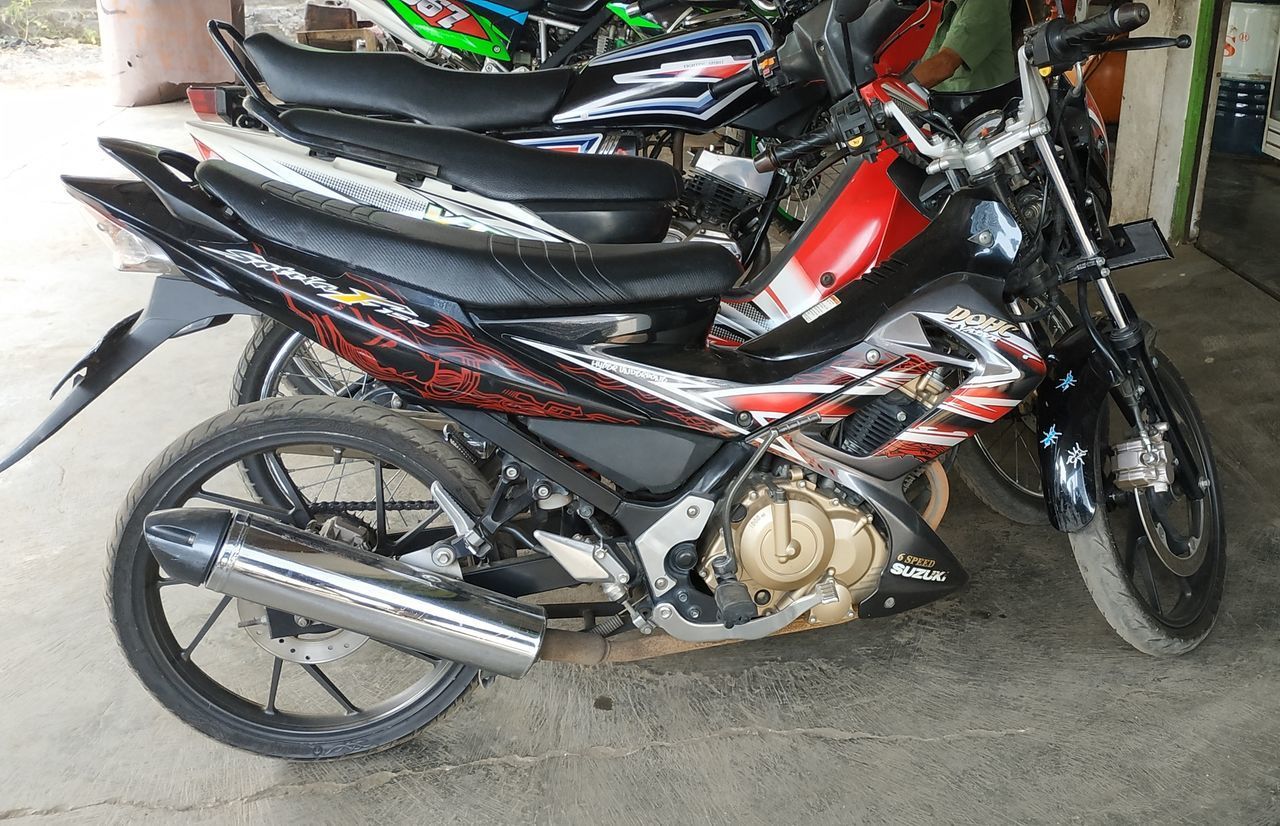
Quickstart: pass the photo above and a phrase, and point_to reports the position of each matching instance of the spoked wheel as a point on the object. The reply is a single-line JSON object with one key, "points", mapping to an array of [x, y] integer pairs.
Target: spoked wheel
{"points": [[275, 684], [1001, 464], [807, 197], [1155, 561], [281, 362]]}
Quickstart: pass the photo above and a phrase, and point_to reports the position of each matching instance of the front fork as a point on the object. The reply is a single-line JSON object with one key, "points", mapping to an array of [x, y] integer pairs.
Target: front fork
{"points": [[1126, 361]]}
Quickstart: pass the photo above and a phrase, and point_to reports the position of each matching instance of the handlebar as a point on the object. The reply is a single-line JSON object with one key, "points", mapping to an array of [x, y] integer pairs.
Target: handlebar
{"points": [[723, 88], [774, 157], [1119, 20], [1060, 42]]}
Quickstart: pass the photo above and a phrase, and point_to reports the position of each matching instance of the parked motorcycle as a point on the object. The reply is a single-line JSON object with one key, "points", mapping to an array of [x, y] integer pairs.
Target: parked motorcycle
{"points": [[711, 495], [419, 170], [528, 34]]}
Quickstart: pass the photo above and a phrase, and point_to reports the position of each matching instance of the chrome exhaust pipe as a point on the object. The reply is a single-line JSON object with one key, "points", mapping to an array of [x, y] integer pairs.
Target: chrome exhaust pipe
{"points": [[291, 570]]}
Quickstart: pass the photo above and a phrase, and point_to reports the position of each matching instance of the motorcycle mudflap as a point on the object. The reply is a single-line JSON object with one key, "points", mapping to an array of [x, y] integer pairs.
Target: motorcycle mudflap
{"points": [[176, 305], [1068, 404]]}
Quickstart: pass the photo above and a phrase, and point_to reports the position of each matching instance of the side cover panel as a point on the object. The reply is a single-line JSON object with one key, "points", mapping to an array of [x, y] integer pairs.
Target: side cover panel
{"points": [[665, 82]]}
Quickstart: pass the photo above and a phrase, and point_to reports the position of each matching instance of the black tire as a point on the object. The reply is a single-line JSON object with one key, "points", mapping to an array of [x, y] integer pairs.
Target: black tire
{"points": [[132, 573], [994, 489], [1102, 560], [254, 379]]}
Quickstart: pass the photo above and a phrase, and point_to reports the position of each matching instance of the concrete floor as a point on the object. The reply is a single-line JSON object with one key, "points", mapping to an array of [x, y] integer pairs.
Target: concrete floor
{"points": [[1237, 221], [1011, 703]]}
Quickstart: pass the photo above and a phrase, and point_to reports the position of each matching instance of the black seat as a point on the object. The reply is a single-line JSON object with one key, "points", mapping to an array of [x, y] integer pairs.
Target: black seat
{"points": [[399, 84], [474, 269], [616, 199]]}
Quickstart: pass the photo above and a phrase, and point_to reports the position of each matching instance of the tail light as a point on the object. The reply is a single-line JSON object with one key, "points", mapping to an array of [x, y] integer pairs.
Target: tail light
{"points": [[204, 102], [130, 252], [206, 151]]}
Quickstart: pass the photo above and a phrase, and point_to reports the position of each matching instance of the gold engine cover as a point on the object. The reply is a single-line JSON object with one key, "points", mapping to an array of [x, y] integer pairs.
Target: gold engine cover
{"points": [[793, 536]]}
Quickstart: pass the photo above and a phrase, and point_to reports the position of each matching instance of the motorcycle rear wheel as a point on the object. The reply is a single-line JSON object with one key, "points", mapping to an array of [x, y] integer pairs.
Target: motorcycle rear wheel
{"points": [[372, 697], [1128, 568]]}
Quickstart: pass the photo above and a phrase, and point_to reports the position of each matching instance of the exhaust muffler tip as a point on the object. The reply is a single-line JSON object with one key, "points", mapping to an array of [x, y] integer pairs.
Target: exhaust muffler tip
{"points": [[186, 541]]}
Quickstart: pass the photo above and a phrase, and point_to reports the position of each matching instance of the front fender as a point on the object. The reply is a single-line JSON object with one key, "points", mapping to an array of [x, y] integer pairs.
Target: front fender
{"points": [[1068, 404]]}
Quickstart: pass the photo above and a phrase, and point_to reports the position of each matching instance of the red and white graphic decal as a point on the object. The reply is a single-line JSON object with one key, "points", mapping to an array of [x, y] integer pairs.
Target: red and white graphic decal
{"points": [[446, 14], [686, 71]]}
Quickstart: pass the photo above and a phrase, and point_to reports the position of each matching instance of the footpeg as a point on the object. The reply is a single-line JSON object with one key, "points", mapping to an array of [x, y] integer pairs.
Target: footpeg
{"points": [[734, 605]]}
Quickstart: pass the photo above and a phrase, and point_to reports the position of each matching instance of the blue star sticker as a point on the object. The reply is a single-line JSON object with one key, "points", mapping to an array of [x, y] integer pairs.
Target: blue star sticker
{"points": [[1050, 436], [1068, 381]]}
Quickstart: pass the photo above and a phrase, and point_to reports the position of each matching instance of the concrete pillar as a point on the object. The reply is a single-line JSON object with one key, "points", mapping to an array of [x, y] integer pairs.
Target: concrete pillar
{"points": [[1153, 119]]}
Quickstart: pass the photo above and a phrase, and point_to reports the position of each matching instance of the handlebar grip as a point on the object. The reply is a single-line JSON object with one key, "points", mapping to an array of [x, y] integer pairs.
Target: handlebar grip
{"points": [[771, 159], [723, 88], [1119, 20]]}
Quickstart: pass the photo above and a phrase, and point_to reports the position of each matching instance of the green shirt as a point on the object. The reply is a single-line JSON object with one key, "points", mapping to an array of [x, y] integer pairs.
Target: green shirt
{"points": [[981, 32]]}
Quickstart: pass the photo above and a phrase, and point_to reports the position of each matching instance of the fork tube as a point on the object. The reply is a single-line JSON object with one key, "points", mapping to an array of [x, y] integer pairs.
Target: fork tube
{"points": [[1108, 291]]}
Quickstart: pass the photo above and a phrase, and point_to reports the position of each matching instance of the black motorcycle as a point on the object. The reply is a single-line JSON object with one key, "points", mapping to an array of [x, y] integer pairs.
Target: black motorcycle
{"points": [[709, 495]]}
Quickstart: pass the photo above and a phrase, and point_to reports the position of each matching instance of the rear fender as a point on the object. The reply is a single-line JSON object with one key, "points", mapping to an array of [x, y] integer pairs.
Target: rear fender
{"points": [[177, 307], [1068, 404]]}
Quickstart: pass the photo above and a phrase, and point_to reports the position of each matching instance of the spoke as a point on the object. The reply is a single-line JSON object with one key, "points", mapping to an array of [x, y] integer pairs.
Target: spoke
{"points": [[241, 504], [1144, 562], [204, 629], [1017, 442], [426, 658], [380, 502], [1133, 539], [343, 475], [270, 708], [332, 689], [165, 583], [299, 514]]}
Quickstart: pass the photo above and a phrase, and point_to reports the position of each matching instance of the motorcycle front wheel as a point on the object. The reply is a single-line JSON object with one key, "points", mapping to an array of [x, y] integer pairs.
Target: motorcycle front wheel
{"points": [[223, 665], [1154, 561]]}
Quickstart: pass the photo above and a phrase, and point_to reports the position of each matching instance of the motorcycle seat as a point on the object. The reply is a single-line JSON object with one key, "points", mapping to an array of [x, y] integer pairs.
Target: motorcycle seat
{"points": [[395, 83], [598, 198], [473, 269]]}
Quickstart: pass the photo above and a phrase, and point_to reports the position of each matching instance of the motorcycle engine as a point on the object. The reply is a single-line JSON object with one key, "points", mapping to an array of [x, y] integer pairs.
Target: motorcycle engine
{"points": [[791, 535], [718, 189]]}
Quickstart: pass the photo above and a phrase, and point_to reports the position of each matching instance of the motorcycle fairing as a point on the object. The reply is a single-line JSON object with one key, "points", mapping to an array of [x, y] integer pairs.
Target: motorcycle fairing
{"points": [[457, 24], [824, 253], [349, 180], [666, 81]]}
